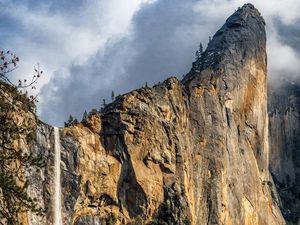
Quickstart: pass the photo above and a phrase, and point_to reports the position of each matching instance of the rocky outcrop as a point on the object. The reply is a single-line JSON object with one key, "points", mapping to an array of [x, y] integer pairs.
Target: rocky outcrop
{"points": [[40, 181], [183, 152], [284, 130]]}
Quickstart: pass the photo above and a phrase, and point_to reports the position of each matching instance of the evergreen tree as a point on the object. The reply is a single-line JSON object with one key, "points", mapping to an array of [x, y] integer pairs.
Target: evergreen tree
{"points": [[75, 121], [200, 48], [71, 121], [209, 39], [93, 112], [103, 103], [85, 116], [112, 95], [197, 55], [146, 85]]}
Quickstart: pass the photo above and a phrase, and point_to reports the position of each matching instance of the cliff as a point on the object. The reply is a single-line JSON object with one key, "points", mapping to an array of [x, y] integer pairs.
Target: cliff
{"points": [[183, 152], [284, 130]]}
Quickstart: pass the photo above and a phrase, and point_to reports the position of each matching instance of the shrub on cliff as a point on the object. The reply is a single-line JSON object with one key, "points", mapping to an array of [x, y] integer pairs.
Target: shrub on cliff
{"points": [[71, 121]]}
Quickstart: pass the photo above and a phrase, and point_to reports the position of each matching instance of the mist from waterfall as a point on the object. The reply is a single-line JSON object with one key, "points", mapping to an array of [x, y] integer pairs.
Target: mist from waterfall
{"points": [[57, 185]]}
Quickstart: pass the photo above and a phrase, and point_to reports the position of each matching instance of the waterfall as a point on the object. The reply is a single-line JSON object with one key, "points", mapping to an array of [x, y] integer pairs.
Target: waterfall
{"points": [[57, 185]]}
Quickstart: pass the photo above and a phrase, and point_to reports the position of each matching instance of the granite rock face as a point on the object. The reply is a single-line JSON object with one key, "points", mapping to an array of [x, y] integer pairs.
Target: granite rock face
{"points": [[284, 130], [41, 181], [183, 152]]}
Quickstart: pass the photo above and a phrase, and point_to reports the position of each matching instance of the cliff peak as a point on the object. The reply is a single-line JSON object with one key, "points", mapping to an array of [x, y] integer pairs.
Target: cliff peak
{"points": [[241, 38], [245, 16]]}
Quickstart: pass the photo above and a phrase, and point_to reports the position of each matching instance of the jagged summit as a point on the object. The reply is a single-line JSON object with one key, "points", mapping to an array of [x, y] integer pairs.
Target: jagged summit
{"points": [[242, 16], [242, 37]]}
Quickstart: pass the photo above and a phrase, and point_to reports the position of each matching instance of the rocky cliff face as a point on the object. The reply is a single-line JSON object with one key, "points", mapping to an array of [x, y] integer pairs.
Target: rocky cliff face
{"points": [[284, 130], [183, 152]]}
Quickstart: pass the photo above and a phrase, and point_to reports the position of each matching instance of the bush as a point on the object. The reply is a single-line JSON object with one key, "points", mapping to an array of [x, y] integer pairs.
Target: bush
{"points": [[112, 219], [138, 220]]}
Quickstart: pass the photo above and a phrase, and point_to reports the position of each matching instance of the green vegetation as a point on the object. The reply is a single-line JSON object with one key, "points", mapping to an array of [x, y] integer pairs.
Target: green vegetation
{"points": [[138, 220], [199, 52], [112, 219], [93, 112], [16, 136], [71, 121], [112, 95]]}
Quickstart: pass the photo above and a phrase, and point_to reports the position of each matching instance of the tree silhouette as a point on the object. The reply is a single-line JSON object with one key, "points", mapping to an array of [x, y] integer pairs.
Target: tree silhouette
{"points": [[199, 52], [200, 48], [112, 95], [197, 55], [103, 103], [8, 63], [71, 121], [93, 112]]}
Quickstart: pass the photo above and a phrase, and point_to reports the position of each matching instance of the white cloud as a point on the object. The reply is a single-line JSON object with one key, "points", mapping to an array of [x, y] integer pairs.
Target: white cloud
{"points": [[60, 40], [57, 40], [287, 10], [280, 56], [120, 44]]}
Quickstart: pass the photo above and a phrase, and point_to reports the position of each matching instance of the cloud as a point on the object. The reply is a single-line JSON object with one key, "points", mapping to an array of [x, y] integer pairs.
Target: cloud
{"points": [[282, 31], [162, 44], [57, 39], [62, 35], [89, 48]]}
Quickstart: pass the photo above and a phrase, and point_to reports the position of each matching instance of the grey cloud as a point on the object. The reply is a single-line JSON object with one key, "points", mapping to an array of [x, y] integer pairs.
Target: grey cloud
{"points": [[284, 51], [289, 34], [164, 42]]}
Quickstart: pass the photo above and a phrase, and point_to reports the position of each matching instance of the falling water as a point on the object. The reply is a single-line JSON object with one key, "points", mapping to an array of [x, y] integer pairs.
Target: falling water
{"points": [[57, 187]]}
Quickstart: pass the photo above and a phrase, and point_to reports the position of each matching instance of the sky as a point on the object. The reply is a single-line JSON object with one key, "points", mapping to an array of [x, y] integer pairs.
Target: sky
{"points": [[89, 48]]}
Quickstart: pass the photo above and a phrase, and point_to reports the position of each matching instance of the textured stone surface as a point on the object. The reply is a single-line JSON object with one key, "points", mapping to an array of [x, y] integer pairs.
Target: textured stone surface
{"points": [[18, 124], [183, 152], [41, 181], [284, 109]]}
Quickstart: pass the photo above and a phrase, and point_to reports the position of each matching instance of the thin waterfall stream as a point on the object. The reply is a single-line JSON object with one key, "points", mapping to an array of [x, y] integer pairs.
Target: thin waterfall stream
{"points": [[57, 185]]}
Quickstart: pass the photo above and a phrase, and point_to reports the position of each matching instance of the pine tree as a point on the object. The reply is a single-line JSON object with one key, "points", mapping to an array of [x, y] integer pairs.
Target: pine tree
{"points": [[85, 117], [93, 112], [103, 105], [146, 85], [209, 39], [85, 114], [112, 95], [71, 121], [200, 48], [75, 121], [197, 55]]}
